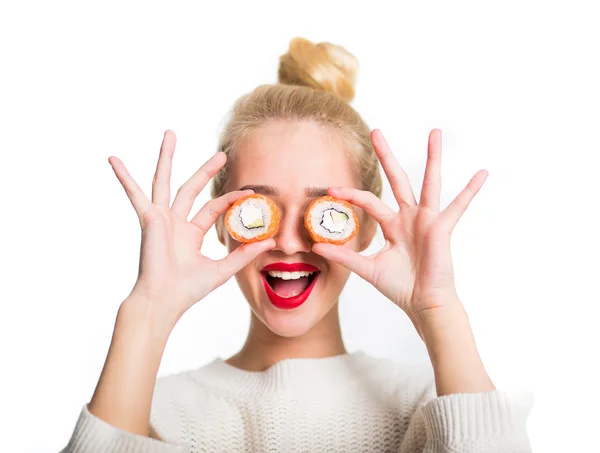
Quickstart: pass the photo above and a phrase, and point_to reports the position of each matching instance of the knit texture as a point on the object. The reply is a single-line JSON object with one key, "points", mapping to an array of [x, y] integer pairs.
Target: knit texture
{"points": [[346, 403]]}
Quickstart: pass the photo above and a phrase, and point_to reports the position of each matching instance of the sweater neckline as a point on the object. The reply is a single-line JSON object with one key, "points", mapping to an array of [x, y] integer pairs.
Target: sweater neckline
{"points": [[293, 376]]}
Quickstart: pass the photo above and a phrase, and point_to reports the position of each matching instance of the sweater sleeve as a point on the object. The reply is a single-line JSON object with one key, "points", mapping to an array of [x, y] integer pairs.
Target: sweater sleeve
{"points": [[483, 422], [94, 435]]}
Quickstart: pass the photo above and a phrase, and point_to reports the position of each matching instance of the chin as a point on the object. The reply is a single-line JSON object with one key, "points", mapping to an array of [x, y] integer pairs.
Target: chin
{"points": [[292, 309], [296, 322]]}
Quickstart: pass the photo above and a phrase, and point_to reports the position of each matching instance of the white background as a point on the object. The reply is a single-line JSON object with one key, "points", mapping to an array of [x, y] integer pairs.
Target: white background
{"points": [[513, 85]]}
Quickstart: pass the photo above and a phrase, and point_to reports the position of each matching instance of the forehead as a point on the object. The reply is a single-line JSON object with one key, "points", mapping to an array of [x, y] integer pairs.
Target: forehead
{"points": [[292, 156]]}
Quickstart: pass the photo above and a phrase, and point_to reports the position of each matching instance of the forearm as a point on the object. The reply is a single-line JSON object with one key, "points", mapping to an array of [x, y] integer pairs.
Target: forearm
{"points": [[451, 346], [123, 396]]}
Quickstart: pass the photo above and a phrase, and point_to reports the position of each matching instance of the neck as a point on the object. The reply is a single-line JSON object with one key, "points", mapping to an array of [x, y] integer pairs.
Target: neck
{"points": [[264, 348]]}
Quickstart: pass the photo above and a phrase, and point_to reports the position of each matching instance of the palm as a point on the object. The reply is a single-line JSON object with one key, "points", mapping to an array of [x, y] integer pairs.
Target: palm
{"points": [[412, 257], [172, 268], [414, 268], [170, 252]]}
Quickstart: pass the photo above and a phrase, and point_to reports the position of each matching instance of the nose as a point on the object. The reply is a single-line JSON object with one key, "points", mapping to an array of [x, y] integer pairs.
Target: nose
{"points": [[292, 237]]}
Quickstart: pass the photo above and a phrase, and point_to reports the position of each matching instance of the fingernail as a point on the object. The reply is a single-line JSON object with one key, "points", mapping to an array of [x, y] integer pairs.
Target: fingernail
{"points": [[322, 245]]}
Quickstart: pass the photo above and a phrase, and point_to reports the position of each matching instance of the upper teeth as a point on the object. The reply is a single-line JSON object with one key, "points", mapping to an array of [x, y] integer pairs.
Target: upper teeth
{"points": [[290, 275]]}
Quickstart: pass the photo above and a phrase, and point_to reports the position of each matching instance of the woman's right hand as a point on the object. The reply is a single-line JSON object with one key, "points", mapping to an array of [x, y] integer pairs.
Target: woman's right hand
{"points": [[173, 273]]}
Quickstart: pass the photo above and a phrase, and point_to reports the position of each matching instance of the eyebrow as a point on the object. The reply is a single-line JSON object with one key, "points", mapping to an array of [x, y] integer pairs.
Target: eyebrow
{"points": [[272, 191]]}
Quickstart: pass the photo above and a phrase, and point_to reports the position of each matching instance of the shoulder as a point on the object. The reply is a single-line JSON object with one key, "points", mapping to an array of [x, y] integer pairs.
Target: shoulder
{"points": [[180, 386], [412, 383], [175, 402], [168, 382], [175, 391]]}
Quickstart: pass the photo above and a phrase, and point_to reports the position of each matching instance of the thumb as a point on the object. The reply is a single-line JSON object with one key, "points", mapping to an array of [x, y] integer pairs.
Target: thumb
{"points": [[241, 257], [351, 260]]}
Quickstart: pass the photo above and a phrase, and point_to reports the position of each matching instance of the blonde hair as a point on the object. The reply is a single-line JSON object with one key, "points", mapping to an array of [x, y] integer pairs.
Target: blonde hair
{"points": [[316, 83]]}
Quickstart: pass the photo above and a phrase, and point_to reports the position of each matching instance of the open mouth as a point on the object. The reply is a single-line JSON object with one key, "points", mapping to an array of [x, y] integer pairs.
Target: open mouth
{"points": [[289, 284], [289, 288]]}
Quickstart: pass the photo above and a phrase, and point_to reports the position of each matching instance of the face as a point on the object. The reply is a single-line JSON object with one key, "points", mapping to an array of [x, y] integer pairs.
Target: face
{"points": [[293, 163]]}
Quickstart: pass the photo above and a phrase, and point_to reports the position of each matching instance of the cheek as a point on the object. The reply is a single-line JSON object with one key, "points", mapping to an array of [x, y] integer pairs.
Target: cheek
{"points": [[366, 233], [231, 243], [337, 276], [244, 277], [354, 243], [246, 280]]}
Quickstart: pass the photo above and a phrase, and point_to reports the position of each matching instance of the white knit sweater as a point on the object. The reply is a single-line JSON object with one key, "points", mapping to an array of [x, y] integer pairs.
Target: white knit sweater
{"points": [[347, 403]]}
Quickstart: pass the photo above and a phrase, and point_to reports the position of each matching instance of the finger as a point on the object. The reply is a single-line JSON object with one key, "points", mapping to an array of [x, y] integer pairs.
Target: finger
{"points": [[430, 192], [365, 200], [161, 191], [351, 260], [187, 193], [396, 176], [210, 212], [450, 216], [136, 195], [241, 257]]}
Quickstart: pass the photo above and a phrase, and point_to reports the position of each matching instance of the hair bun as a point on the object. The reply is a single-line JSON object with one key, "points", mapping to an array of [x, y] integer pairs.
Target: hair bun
{"points": [[323, 66]]}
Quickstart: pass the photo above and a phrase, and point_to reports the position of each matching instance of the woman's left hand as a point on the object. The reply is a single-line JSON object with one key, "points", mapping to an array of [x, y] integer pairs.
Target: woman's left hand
{"points": [[414, 268]]}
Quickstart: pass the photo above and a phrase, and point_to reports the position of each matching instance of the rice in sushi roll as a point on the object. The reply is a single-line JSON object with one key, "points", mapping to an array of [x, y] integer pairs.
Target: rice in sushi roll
{"points": [[328, 219], [252, 218]]}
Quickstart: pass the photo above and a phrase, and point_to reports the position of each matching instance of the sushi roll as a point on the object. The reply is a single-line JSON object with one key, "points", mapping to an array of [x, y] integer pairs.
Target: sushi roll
{"points": [[252, 218], [328, 219]]}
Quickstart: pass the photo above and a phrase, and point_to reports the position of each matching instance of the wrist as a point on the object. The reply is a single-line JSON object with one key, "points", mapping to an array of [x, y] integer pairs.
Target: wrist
{"points": [[430, 322], [147, 315], [451, 347], [444, 326]]}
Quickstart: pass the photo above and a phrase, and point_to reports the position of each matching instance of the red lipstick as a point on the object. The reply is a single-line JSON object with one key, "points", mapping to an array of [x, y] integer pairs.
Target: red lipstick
{"points": [[288, 303], [290, 267]]}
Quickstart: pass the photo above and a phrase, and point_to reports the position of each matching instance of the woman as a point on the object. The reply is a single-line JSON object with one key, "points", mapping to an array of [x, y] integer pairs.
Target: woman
{"points": [[293, 386]]}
